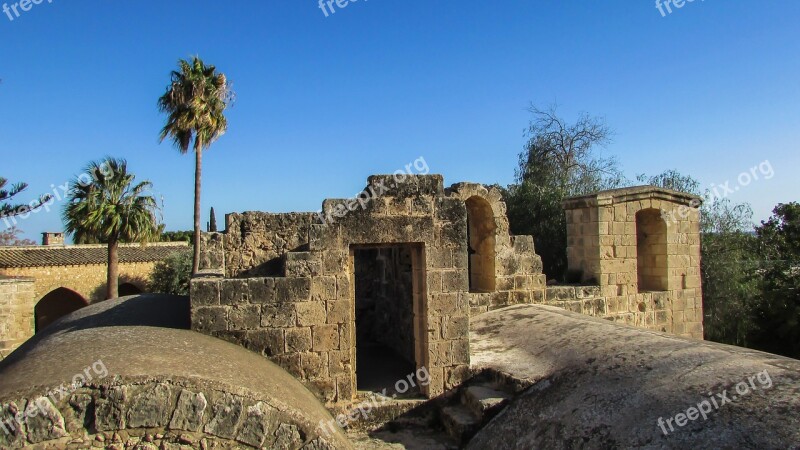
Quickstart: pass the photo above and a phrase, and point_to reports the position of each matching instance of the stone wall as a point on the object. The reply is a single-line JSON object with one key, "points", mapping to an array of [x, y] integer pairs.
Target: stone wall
{"points": [[304, 318], [617, 238], [257, 242], [16, 313], [283, 285], [88, 280], [152, 416]]}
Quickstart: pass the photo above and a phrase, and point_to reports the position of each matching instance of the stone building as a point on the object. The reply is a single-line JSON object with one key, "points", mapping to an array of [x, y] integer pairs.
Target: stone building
{"points": [[383, 285], [40, 284]]}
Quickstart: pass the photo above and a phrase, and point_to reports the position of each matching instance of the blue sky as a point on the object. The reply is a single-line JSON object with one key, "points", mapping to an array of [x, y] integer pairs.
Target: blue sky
{"points": [[712, 90]]}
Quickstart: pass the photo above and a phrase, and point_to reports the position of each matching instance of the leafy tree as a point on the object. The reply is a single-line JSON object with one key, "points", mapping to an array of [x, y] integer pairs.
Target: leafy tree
{"points": [[110, 209], [10, 237], [8, 192], [177, 236], [778, 315], [172, 275], [195, 103], [560, 160]]}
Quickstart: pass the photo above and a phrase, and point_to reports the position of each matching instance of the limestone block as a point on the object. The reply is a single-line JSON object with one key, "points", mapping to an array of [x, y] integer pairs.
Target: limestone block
{"points": [[205, 292], [226, 415], [151, 407], [298, 340], [209, 319], [189, 411], [311, 313], [325, 337], [278, 316], [43, 420]]}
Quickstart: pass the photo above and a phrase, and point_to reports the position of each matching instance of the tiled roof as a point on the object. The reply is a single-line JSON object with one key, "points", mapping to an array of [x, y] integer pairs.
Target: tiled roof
{"points": [[76, 255]]}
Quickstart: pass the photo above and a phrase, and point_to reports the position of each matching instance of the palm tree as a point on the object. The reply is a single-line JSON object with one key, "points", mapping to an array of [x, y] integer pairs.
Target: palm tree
{"points": [[110, 208], [195, 104]]}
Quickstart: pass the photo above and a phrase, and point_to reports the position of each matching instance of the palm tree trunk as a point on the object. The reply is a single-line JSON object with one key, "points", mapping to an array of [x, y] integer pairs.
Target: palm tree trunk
{"points": [[198, 167], [112, 281]]}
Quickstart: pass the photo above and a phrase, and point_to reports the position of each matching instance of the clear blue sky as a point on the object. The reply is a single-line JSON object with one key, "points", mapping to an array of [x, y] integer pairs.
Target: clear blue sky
{"points": [[712, 90]]}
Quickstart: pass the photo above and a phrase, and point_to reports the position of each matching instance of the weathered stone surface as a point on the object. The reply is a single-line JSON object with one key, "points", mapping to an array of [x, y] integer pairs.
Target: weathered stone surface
{"points": [[258, 423], [143, 360], [596, 384], [288, 436], [189, 412], [150, 408], [43, 421], [227, 412]]}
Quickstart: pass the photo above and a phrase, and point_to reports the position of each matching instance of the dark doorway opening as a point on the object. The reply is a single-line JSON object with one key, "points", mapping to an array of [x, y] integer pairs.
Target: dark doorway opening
{"points": [[126, 289], [385, 294], [55, 305]]}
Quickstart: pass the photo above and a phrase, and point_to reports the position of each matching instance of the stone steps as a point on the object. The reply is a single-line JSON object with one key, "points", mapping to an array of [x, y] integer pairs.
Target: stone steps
{"points": [[472, 408], [460, 422]]}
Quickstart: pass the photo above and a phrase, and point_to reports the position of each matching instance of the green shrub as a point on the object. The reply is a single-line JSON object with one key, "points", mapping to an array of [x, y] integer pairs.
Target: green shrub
{"points": [[172, 275]]}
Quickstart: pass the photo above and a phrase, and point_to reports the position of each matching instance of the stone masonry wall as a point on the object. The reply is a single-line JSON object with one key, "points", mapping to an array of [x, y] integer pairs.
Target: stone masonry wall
{"points": [[160, 415], [16, 313], [302, 315], [88, 280], [602, 235], [257, 242]]}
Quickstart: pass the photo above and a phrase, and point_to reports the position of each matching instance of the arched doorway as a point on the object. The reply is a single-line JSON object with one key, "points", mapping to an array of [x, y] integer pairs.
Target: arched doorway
{"points": [[481, 238], [56, 304], [126, 289], [651, 251]]}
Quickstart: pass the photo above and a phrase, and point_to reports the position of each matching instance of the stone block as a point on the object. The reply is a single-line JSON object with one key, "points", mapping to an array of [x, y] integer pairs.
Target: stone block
{"points": [[262, 290], [339, 312], [455, 281], [303, 264], [278, 316], [325, 337], [290, 290], [226, 415], [244, 317], [205, 292], [323, 288], [151, 407], [315, 366], [234, 292], [189, 412], [455, 327], [339, 362], [259, 423], [43, 421], [209, 319], [269, 343], [310, 313], [298, 340], [109, 410]]}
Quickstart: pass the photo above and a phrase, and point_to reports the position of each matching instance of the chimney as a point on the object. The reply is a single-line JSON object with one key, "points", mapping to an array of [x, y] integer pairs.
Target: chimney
{"points": [[52, 238]]}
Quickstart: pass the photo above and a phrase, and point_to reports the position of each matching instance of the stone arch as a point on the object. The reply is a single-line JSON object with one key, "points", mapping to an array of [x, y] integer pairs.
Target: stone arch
{"points": [[127, 289], [651, 251], [56, 304], [481, 228]]}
